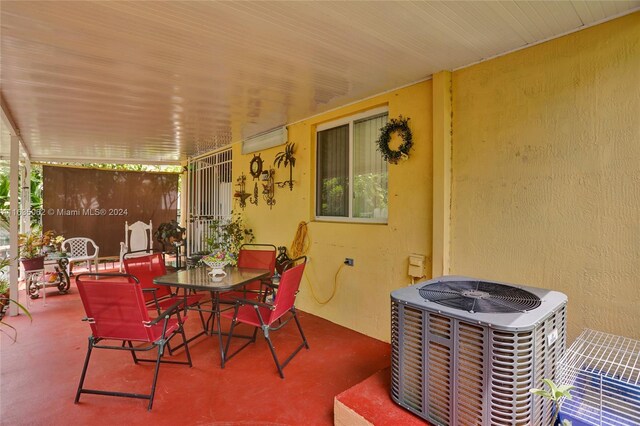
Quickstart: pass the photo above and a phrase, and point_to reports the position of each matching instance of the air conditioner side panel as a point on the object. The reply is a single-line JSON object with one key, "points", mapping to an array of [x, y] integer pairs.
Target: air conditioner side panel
{"points": [[395, 352], [471, 367], [512, 371], [439, 349], [407, 357], [549, 352]]}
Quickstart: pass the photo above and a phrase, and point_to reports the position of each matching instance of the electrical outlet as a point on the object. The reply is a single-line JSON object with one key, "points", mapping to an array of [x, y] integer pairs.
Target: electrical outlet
{"points": [[348, 261]]}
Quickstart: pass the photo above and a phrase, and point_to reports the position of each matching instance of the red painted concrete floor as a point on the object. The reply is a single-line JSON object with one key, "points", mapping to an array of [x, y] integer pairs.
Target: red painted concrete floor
{"points": [[371, 400], [39, 375]]}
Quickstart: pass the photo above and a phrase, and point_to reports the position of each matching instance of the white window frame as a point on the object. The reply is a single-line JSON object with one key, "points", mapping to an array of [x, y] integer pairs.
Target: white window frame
{"points": [[336, 123]]}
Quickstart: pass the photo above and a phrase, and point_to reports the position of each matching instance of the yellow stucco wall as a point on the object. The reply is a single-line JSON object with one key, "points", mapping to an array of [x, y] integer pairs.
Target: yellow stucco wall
{"points": [[546, 172], [380, 251], [545, 186]]}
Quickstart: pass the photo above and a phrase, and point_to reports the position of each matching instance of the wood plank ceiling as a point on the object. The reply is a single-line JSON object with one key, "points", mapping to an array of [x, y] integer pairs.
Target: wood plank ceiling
{"points": [[160, 81]]}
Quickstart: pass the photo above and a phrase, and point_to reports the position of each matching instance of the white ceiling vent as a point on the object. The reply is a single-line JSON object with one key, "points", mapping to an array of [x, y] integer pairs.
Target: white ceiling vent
{"points": [[264, 140]]}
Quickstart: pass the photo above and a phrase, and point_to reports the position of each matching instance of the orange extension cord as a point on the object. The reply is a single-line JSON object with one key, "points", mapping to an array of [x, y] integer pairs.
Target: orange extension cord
{"points": [[300, 247]]}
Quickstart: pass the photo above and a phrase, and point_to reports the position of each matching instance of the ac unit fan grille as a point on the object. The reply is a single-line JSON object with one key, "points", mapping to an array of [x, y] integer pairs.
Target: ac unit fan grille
{"points": [[480, 296]]}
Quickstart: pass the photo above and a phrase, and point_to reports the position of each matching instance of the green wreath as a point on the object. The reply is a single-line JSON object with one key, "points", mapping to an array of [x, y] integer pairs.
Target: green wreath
{"points": [[400, 125]]}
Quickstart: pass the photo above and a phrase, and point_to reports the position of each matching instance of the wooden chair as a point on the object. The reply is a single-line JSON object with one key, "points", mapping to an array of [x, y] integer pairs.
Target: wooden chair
{"points": [[138, 237]]}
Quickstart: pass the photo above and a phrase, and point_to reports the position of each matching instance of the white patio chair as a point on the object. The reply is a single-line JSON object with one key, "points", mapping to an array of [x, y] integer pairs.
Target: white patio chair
{"points": [[137, 238], [81, 249]]}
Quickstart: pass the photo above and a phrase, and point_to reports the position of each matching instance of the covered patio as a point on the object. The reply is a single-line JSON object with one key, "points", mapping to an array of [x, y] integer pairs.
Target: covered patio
{"points": [[511, 155], [40, 374]]}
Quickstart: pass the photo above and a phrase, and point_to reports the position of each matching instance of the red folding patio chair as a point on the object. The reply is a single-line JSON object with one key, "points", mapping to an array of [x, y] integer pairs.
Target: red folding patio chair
{"points": [[147, 267], [255, 256], [116, 310], [270, 317]]}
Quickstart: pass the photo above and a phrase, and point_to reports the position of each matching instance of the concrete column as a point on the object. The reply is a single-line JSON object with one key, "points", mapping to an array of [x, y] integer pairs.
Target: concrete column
{"points": [[185, 203], [442, 122], [25, 222], [184, 188], [14, 174]]}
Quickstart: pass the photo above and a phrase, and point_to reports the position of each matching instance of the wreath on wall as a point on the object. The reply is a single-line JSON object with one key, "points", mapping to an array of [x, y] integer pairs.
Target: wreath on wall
{"points": [[400, 125]]}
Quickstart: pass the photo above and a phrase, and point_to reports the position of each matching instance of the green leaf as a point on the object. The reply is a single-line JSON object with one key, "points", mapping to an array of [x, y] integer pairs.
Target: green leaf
{"points": [[13, 335], [540, 392], [551, 385], [565, 388], [23, 309]]}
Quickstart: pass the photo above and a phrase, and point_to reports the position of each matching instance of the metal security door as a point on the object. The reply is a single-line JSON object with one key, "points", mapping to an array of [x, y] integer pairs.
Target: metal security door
{"points": [[210, 196]]}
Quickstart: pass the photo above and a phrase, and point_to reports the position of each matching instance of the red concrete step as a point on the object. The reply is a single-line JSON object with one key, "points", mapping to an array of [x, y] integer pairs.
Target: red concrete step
{"points": [[369, 403]]}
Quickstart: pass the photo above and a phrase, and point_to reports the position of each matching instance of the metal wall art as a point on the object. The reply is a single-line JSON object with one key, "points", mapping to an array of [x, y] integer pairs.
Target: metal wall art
{"points": [[254, 198], [286, 158], [255, 166], [240, 193], [268, 187]]}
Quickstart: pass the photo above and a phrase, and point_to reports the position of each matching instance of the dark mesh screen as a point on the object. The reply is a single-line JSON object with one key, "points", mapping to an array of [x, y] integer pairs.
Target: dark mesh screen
{"points": [[95, 203]]}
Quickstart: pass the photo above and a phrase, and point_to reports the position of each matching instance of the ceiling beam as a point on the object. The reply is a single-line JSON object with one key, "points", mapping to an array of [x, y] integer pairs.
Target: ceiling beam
{"points": [[7, 118], [86, 160]]}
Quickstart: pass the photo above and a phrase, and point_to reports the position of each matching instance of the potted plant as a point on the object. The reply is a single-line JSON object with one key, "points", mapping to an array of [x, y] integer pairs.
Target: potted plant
{"points": [[34, 246], [5, 298], [169, 234], [226, 238], [30, 250], [4, 286], [53, 242]]}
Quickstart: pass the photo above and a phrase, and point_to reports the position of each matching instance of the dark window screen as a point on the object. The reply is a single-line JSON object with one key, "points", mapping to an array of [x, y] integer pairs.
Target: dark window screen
{"points": [[332, 190], [95, 203]]}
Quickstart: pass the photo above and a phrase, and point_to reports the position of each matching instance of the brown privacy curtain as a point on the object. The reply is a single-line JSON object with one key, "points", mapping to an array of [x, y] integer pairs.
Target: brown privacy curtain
{"points": [[96, 203]]}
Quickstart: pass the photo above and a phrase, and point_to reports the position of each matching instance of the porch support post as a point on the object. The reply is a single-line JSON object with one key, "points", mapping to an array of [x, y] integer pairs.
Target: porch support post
{"points": [[442, 129], [25, 222], [14, 174], [186, 213], [184, 196]]}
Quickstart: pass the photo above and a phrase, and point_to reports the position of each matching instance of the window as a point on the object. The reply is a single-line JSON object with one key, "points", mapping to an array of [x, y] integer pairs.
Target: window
{"points": [[351, 176]]}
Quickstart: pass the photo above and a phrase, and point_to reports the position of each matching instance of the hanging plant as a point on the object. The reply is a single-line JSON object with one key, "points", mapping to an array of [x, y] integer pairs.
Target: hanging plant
{"points": [[169, 234], [400, 125]]}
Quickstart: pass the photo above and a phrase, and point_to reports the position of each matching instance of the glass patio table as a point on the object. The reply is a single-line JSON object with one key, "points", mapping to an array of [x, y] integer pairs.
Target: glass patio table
{"points": [[199, 279]]}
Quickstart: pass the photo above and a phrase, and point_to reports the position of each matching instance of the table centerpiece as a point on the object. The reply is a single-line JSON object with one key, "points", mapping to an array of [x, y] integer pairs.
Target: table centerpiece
{"points": [[217, 261]]}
